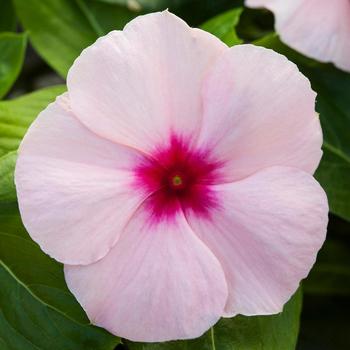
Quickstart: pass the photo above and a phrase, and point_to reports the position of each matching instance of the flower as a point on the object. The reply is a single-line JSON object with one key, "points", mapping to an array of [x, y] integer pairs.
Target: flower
{"points": [[174, 180], [319, 29]]}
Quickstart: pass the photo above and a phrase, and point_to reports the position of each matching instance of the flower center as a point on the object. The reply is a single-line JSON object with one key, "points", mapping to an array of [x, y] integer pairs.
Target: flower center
{"points": [[177, 181], [177, 178]]}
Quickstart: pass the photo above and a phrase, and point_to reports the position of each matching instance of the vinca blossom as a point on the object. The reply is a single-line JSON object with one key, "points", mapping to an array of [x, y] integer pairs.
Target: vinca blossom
{"points": [[174, 180], [319, 29]]}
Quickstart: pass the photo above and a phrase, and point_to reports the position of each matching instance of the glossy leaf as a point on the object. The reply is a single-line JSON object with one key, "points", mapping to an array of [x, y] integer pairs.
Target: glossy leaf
{"points": [[333, 104], [61, 29], [243, 333], [16, 115], [12, 50], [26, 322], [223, 26]]}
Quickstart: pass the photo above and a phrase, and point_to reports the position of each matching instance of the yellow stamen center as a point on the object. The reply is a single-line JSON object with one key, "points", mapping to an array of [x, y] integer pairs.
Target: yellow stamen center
{"points": [[176, 180]]}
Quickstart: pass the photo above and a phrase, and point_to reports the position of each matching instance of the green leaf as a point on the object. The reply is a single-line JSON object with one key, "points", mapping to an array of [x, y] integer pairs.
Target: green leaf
{"points": [[60, 29], [12, 50], [223, 26], [333, 104], [7, 16], [37, 309], [10, 219], [7, 185], [333, 174], [16, 115], [42, 276], [28, 323], [243, 333]]}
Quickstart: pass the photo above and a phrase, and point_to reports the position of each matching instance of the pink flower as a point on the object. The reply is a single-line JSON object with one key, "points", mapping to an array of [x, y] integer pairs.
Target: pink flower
{"points": [[319, 29], [174, 180]]}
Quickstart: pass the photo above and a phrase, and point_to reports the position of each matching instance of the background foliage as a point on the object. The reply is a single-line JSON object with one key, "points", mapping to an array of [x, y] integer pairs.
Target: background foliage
{"points": [[39, 40]]}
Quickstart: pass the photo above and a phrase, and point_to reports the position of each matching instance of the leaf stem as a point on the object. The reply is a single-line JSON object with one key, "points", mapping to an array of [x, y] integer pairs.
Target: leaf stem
{"points": [[212, 336]]}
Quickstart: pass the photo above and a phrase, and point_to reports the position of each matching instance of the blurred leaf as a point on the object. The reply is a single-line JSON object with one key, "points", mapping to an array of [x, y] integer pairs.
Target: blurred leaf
{"points": [[16, 115], [194, 12], [325, 323], [243, 333], [331, 273], [143, 5], [325, 319], [7, 16], [330, 276], [12, 50], [223, 26], [139, 5], [109, 17], [60, 29], [7, 186], [57, 29], [255, 24], [333, 104]]}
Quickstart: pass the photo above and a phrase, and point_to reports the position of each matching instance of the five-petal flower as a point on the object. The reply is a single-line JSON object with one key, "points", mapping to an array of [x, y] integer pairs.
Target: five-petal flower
{"points": [[174, 180]]}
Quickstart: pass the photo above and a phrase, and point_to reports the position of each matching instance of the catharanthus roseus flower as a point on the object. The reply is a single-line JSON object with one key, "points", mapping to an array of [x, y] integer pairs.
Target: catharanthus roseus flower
{"points": [[174, 180], [319, 29]]}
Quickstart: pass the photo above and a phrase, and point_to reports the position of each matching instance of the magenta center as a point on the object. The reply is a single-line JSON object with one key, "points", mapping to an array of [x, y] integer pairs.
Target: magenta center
{"points": [[178, 178]]}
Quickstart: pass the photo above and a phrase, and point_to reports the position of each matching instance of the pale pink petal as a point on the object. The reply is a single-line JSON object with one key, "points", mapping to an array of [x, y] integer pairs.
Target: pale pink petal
{"points": [[74, 188], [266, 235], [259, 111], [159, 282], [319, 29], [139, 85]]}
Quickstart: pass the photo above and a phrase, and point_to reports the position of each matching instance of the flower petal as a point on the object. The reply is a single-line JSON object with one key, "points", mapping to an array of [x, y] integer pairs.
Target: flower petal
{"points": [[140, 84], [73, 187], [266, 235], [319, 29], [259, 112], [159, 282]]}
